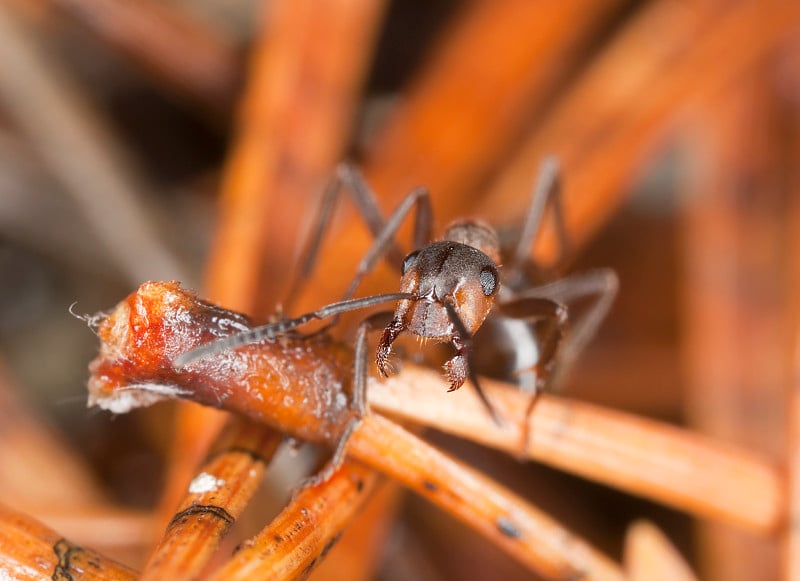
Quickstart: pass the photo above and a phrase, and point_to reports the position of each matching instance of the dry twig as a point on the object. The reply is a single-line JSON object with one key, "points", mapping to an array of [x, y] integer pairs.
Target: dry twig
{"points": [[29, 551], [215, 499]]}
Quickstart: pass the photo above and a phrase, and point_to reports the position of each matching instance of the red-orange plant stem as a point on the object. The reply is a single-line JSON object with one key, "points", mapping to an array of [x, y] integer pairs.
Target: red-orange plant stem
{"points": [[644, 457], [360, 552], [464, 110], [505, 519], [29, 551], [204, 517]]}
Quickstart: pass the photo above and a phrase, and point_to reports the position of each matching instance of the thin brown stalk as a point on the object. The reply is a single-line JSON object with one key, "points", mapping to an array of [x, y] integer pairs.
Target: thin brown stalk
{"points": [[640, 456], [29, 551], [737, 333], [294, 125], [303, 533], [791, 548], [650, 556], [105, 527], [360, 552], [462, 112], [215, 499]]}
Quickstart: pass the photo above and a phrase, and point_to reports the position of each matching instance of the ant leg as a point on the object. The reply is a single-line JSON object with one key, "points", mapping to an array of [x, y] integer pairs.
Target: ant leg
{"points": [[390, 332], [384, 240], [419, 198], [272, 330], [359, 396], [459, 368], [536, 367], [547, 189], [560, 350], [335, 462], [346, 177], [601, 284], [350, 179], [374, 321]]}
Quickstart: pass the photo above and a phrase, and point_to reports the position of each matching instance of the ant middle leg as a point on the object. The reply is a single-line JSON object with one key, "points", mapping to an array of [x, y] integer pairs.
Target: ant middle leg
{"points": [[560, 347], [358, 396], [384, 240], [599, 285], [347, 178], [534, 352]]}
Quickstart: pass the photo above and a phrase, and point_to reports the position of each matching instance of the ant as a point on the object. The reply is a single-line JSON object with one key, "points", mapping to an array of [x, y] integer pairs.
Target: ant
{"points": [[448, 289]]}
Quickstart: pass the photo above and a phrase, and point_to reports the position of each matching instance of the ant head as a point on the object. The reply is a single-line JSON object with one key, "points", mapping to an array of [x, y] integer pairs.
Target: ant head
{"points": [[452, 272]]}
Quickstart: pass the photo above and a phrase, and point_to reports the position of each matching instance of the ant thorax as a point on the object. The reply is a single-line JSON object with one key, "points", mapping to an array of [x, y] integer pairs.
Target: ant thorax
{"points": [[477, 234]]}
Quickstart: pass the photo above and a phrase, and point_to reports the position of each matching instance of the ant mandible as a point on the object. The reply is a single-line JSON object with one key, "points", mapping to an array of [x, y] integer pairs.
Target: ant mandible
{"points": [[449, 287]]}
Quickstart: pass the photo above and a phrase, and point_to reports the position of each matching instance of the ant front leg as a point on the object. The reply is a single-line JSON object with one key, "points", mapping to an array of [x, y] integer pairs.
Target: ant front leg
{"points": [[390, 332], [458, 367]]}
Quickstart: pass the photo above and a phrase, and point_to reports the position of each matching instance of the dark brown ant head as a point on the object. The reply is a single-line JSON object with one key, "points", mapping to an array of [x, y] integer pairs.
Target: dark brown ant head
{"points": [[460, 270]]}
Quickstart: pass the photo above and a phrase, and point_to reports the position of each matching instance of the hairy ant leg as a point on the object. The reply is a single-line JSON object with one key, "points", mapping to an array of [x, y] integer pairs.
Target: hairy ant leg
{"points": [[419, 198], [459, 367], [349, 179]]}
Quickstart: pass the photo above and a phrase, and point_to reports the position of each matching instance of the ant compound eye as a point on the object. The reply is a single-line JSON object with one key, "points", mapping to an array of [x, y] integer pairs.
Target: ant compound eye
{"points": [[489, 281], [409, 261]]}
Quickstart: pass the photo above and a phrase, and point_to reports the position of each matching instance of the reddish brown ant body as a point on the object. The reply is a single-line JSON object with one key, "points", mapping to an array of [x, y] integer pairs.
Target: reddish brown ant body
{"points": [[448, 289]]}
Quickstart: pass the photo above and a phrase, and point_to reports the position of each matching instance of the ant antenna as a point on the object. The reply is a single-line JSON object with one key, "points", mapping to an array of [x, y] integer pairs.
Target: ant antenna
{"points": [[272, 330]]}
